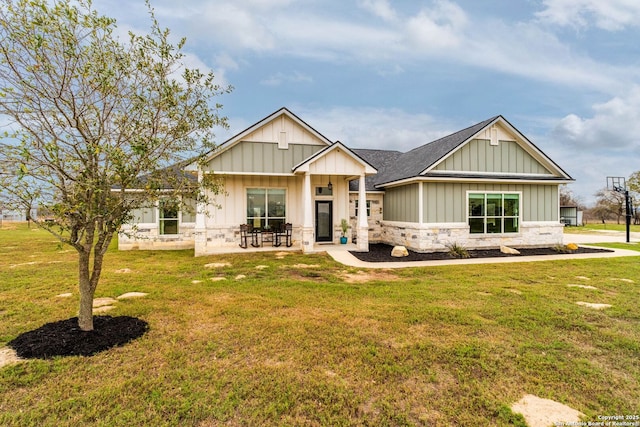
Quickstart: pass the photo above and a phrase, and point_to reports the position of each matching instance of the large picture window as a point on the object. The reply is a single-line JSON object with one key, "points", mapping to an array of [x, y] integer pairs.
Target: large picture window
{"points": [[266, 207], [494, 213]]}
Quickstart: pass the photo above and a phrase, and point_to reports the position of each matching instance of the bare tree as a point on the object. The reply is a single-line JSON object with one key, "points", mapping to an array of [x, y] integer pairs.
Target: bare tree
{"points": [[567, 198], [89, 116], [611, 203]]}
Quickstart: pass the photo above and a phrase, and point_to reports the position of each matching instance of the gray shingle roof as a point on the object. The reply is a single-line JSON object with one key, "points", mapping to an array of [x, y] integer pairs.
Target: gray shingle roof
{"points": [[379, 159], [412, 163], [394, 165]]}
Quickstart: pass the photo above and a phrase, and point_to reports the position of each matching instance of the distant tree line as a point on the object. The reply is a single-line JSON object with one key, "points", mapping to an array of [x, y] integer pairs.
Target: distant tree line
{"points": [[610, 204]]}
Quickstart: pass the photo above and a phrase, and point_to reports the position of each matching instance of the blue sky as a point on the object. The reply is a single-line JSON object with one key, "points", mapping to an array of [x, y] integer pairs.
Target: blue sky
{"points": [[398, 74]]}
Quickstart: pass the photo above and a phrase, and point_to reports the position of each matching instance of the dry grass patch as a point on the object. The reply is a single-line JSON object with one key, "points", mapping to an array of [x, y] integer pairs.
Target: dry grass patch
{"points": [[596, 306], [8, 356], [364, 276]]}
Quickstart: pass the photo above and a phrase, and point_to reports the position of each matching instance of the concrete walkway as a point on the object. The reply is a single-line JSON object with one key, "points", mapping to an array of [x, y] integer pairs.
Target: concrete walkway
{"points": [[604, 236], [343, 256]]}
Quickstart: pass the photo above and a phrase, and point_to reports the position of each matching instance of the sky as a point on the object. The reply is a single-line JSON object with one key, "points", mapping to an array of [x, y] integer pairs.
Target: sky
{"points": [[398, 74]]}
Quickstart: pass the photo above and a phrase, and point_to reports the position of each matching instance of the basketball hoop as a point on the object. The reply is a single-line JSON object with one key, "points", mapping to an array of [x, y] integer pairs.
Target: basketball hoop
{"points": [[616, 183], [619, 185]]}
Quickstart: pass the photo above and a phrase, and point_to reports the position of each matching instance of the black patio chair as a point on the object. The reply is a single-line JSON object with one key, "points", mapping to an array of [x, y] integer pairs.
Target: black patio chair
{"points": [[244, 234], [285, 232], [256, 238]]}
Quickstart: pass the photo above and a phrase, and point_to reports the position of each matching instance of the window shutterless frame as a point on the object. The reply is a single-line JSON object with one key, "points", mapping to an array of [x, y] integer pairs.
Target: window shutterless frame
{"points": [[493, 212], [168, 216], [266, 207]]}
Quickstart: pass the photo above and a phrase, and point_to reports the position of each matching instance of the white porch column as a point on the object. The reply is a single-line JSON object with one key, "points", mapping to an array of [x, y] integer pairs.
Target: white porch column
{"points": [[307, 208], [363, 225], [200, 231]]}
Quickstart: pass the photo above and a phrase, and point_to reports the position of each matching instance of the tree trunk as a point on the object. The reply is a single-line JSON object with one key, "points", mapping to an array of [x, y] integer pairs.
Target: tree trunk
{"points": [[85, 315], [89, 274]]}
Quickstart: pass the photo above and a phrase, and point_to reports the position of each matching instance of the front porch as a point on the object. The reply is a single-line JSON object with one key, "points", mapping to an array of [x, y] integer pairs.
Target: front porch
{"points": [[316, 248], [313, 197]]}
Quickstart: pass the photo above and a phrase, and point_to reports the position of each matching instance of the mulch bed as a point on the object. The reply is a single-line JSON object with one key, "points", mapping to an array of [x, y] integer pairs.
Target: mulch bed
{"points": [[380, 252], [65, 338]]}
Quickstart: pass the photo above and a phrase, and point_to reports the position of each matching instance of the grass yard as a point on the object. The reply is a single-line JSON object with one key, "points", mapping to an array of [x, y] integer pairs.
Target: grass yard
{"points": [[303, 340], [610, 226]]}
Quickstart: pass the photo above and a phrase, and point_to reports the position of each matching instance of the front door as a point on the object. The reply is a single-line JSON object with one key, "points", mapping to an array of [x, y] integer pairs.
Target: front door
{"points": [[324, 221]]}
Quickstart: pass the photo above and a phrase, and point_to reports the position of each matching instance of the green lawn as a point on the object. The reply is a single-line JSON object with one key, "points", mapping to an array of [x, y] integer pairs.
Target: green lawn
{"points": [[587, 228], [306, 341]]}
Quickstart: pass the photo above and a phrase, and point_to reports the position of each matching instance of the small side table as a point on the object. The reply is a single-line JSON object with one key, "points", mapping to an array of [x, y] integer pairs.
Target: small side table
{"points": [[267, 236]]}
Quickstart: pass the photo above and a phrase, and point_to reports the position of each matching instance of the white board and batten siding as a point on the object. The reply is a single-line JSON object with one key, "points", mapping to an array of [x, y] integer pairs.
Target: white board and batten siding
{"points": [[283, 130], [335, 162]]}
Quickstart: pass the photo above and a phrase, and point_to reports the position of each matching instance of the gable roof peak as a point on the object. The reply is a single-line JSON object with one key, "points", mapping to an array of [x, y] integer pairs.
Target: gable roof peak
{"points": [[421, 159]]}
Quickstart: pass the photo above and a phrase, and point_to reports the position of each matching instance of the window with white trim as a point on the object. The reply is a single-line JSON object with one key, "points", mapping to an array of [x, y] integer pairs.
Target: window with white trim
{"points": [[168, 216], [491, 213], [266, 207]]}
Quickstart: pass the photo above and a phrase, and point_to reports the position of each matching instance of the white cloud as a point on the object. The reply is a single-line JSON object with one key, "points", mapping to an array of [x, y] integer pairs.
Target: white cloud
{"points": [[235, 26], [282, 78], [403, 38], [604, 144], [226, 61], [329, 39], [545, 58], [381, 128], [441, 27], [590, 168], [611, 15], [380, 8], [614, 125], [223, 63]]}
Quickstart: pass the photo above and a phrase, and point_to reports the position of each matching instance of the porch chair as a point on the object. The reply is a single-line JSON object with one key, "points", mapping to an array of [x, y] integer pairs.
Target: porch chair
{"points": [[244, 234], [284, 231], [256, 237]]}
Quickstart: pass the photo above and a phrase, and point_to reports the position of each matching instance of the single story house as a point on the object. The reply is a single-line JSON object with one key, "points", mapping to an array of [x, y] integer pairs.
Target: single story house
{"points": [[483, 186]]}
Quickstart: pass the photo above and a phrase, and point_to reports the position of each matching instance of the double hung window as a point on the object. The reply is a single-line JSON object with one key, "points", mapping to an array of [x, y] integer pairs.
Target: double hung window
{"points": [[169, 210]]}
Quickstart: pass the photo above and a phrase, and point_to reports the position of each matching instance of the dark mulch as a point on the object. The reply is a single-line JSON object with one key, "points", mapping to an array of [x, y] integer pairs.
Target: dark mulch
{"points": [[380, 252], [64, 338]]}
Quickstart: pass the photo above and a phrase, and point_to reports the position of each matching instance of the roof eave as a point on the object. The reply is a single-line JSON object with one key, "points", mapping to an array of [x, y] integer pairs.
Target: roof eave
{"points": [[476, 179], [304, 165]]}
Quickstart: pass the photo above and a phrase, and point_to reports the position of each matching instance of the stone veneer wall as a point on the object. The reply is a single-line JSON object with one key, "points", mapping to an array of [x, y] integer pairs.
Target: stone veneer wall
{"points": [[228, 236], [436, 237], [375, 220], [148, 238]]}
